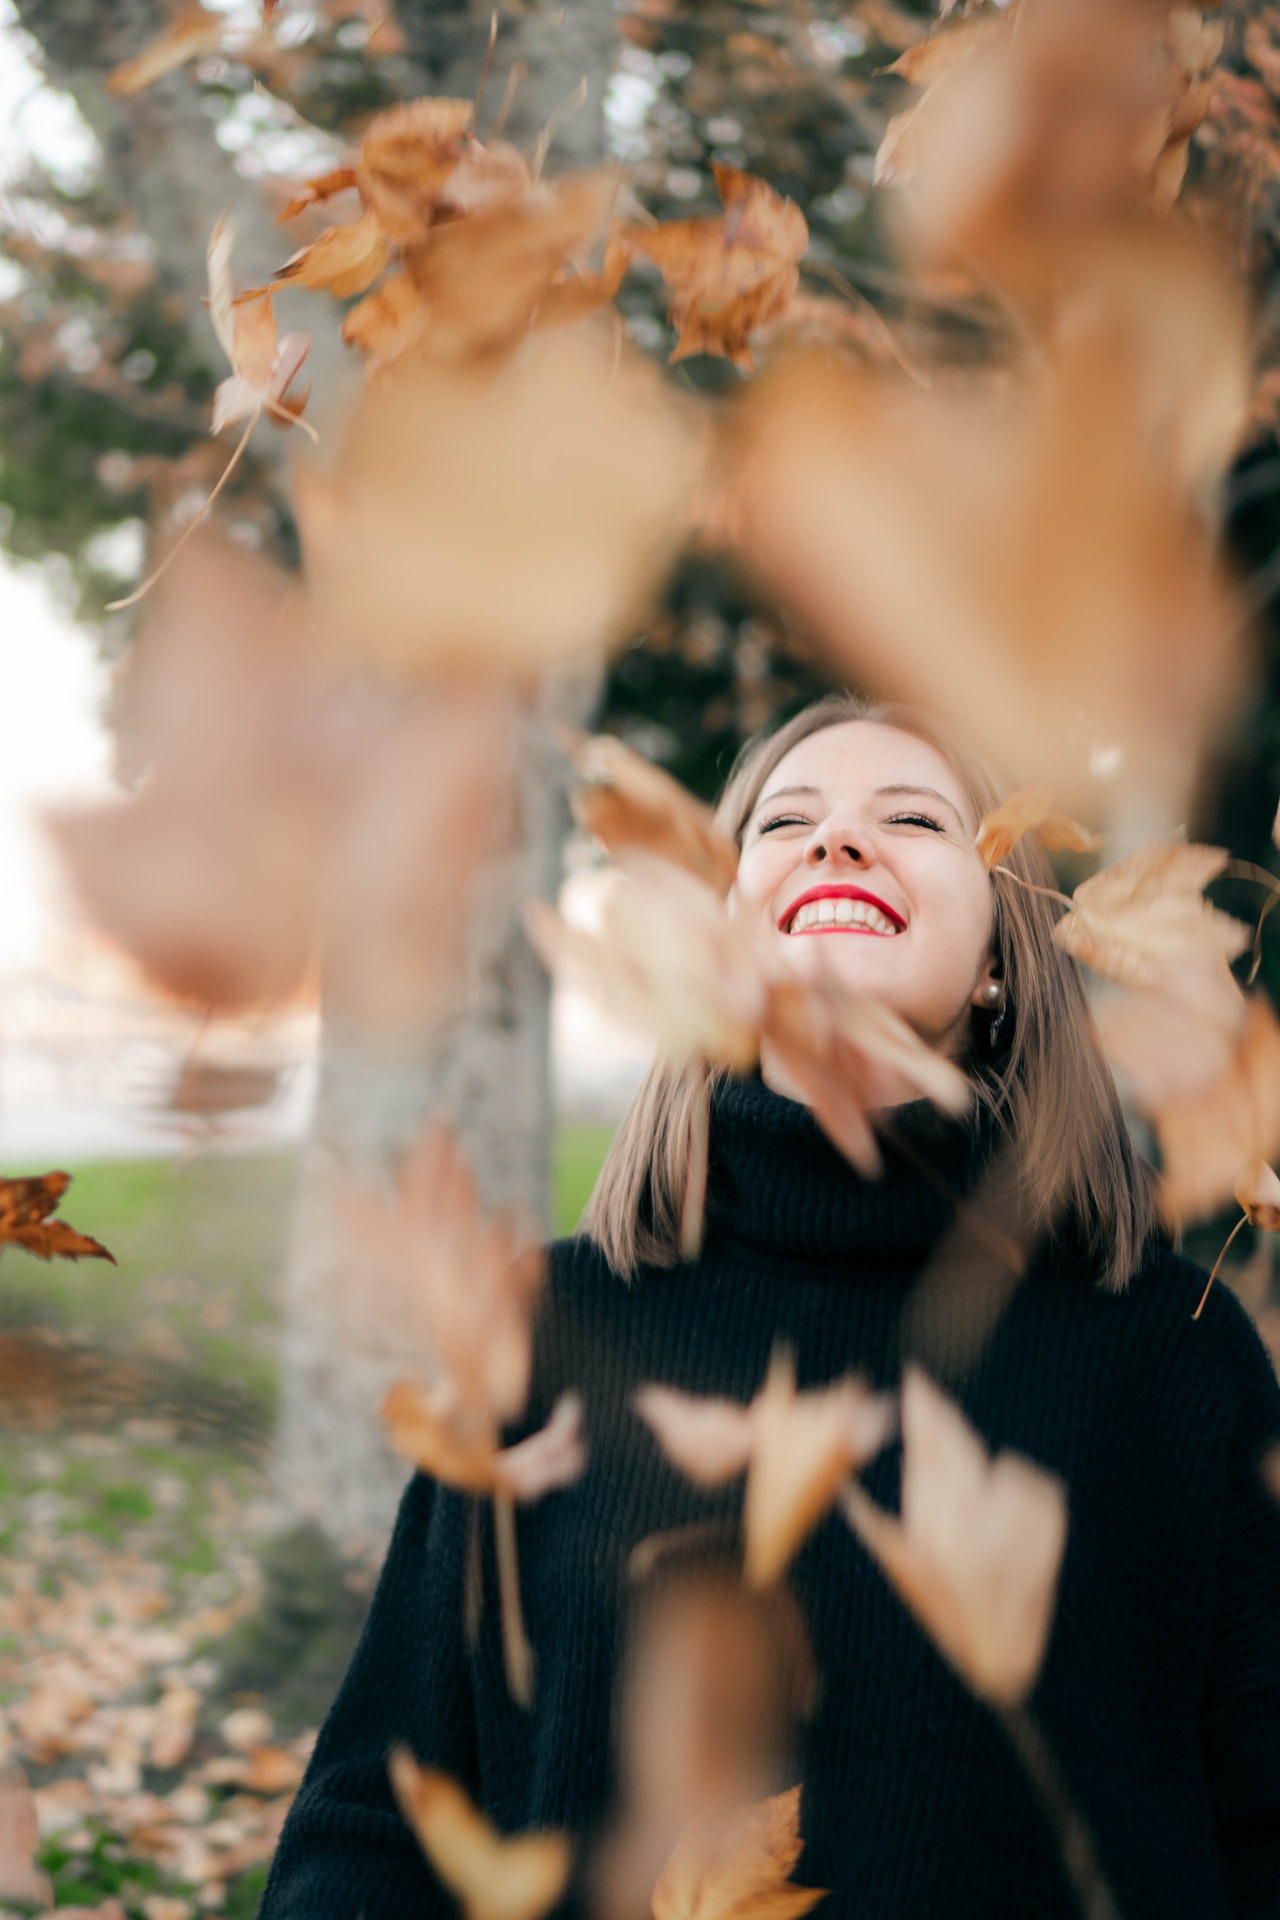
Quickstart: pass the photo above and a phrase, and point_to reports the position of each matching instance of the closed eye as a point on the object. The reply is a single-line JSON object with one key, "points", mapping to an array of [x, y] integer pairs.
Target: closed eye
{"points": [[783, 820], [917, 820]]}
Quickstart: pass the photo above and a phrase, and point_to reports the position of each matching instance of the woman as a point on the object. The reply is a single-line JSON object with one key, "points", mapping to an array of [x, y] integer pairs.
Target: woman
{"points": [[1160, 1690]]}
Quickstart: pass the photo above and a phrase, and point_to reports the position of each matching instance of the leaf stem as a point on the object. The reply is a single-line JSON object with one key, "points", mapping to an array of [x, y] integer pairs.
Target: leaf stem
{"points": [[1218, 1262], [517, 1654], [1050, 893], [822, 271], [118, 606], [473, 125], [1075, 1842], [1256, 960], [695, 1181]]}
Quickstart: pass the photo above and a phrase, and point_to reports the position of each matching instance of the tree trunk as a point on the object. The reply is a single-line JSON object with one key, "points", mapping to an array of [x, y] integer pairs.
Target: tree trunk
{"points": [[487, 1072]]}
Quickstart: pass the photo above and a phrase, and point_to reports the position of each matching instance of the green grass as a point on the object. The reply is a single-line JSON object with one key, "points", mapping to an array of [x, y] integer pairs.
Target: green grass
{"points": [[580, 1147]]}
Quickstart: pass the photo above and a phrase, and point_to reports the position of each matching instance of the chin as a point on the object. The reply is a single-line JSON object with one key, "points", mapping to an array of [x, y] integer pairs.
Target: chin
{"points": [[849, 960]]}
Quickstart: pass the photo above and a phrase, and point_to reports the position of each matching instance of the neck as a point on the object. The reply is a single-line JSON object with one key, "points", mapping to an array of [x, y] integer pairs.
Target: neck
{"points": [[880, 1084]]}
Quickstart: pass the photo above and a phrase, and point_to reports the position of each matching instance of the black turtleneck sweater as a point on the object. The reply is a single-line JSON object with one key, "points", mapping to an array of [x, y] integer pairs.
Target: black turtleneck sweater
{"points": [[1160, 1692]]}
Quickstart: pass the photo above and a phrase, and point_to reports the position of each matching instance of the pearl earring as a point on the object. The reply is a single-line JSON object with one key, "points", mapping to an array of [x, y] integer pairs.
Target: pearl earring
{"points": [[993, 996]]}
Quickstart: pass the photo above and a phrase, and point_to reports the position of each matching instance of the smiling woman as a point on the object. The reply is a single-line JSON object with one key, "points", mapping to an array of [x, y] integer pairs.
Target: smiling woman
{"points": [[1041, 1684], [849, 800]]}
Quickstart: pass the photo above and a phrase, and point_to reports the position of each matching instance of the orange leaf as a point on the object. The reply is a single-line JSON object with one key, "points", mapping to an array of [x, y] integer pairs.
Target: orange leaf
{"points": [[344, 260], [731, 275], [1030, 810], [709, 1440], [1145, 918], [25, 1207], [323, 187], [978, 1549], [1206, 1137], [193, 32], [494, 1878], [406, 157], [626, 803], [263, 366], [739, 1867], [387, 322]]}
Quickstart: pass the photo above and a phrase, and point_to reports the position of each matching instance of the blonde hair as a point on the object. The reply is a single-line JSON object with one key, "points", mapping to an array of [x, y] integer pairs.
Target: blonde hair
{"points": [[1048, 1088]]}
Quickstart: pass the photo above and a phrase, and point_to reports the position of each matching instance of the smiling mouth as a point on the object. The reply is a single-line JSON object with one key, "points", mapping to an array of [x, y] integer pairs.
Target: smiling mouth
{"points": [[841, 913]]}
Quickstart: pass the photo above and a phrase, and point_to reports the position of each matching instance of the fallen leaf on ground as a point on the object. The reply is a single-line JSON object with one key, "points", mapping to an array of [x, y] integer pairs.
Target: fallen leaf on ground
{"points": [[496, 525], [626, 803], [799, 1449], [732, 275], [1030, 810], [978, 1549], [1145, 919], [494, 1877], [192, 33], [25, 1207], [668, 959], [738, 1868], [1207, 1137], [20, 1878]]}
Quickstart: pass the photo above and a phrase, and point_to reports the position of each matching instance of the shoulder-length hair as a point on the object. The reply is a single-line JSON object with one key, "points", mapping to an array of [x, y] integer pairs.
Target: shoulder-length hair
{"points": [[1047, 1086]]}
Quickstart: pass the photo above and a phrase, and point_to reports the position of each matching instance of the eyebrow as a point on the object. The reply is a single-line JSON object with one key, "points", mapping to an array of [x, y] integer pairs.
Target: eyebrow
{"points": [[780, 793]]}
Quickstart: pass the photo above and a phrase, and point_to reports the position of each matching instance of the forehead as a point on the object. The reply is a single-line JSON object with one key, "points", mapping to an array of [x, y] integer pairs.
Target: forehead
{"points": [[856, 757]]}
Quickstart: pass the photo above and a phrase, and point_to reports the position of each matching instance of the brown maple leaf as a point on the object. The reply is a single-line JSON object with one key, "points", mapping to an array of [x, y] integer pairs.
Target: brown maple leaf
{"points": [[626, 803], [263, 366], [738, 1867], [1209, 1137], [799, 1449], [1145, 919], [194, 31], [475, 525], [493, 1877], [407, 155], [732, 275], [978, 1549], [25, 1207], [1030, 810], [430, 1427], [344, 260]]}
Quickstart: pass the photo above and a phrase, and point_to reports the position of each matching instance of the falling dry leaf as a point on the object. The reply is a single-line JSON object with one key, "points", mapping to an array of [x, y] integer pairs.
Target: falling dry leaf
{"points": [[25, 1207], [344, 260], [738, 1868], [263, 366], [1207, 1137], [493, 1877], [668, 959], [1145, 919], [465, 1279], [316, 191], [432, 1427], [798, 1448], [1171, 1043], [732, 275], [1258, 1192], [1030, 810], [192, 33], [477, 525], [407, 155], [977, 1552], [627, 803]]}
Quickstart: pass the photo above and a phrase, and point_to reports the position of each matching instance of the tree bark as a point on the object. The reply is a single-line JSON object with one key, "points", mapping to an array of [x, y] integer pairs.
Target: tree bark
{"points": [[487, 1070]]}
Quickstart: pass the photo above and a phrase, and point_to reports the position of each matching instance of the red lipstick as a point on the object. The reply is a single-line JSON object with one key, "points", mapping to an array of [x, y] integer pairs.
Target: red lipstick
{"points": [[830, 892]]}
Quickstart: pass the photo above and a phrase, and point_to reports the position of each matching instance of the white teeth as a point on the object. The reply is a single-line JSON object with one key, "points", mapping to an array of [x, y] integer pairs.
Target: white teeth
{"points": [[840, 910]]}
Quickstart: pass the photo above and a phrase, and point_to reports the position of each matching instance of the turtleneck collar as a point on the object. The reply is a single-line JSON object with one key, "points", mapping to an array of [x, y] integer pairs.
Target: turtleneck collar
{"points": [[777, 1185]]}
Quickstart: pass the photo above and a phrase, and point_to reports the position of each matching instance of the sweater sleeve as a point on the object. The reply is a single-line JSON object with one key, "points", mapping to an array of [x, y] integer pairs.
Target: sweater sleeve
{"points": [[345, 1852], [1240, 1720]]}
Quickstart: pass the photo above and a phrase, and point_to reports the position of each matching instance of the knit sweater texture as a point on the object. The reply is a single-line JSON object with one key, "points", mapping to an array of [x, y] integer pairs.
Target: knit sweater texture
{"points": [[1160, 1691]]}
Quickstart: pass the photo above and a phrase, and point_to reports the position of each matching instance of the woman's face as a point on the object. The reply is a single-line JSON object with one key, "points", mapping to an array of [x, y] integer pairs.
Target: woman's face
{"points": [[859, 861]]}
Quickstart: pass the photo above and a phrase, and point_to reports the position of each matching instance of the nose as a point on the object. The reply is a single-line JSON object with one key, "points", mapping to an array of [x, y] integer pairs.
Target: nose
{"points": [[835, 840]]}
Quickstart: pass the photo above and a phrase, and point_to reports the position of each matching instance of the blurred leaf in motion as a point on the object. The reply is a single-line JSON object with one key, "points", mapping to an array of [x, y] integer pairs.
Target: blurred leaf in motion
{"points": [[192, 32], [475, 526], [25, 1207], [430, 1427], [628, 804], [1030, 810], [1145, 920], [738, 1868], [262, 364], [732, 275], [978, 1549], [493, 1877], [799, 1449], [1210, 1137]]}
